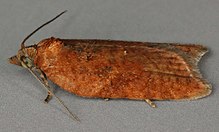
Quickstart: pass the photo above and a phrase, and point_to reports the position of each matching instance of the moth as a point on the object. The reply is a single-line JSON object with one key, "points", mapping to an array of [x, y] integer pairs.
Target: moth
{"points": [[112, 69]]}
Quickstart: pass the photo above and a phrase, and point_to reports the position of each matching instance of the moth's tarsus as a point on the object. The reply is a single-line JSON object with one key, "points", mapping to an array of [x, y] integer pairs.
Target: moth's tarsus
{"points": [[106, 99], [48, 98], [152, 104]]}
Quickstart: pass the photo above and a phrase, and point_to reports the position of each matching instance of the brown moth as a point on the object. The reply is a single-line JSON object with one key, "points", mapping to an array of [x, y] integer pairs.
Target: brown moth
{"points": [[111, 69]]}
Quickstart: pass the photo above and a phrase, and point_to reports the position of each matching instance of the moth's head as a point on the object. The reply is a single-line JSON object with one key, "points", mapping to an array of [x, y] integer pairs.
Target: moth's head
{"points": [[25, 57]]}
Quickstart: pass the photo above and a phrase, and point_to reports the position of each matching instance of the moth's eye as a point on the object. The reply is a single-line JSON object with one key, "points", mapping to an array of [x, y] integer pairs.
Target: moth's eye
{"points": [[27, 61], [23, 59]]}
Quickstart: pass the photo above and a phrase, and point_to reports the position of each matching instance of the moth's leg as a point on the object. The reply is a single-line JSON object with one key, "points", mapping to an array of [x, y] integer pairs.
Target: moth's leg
{"points": [[152, 104], [106, 99], [44, 79], [48, 97]]}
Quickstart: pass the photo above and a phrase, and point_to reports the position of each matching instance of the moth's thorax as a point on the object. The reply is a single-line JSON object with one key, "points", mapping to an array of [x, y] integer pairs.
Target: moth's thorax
{"points": [[47, 50], [49, 45]]}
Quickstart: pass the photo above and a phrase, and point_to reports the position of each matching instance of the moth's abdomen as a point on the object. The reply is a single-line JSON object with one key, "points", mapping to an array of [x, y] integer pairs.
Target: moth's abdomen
{"points": [[117, 69]]}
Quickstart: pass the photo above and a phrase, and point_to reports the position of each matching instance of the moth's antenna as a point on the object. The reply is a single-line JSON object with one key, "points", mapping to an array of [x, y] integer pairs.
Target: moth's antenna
{"points": [[22, 44]]}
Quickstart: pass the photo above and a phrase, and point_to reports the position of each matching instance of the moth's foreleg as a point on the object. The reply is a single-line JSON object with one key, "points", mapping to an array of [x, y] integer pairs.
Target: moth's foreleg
{"points": [[152, 104], [45, 81], [48, 88], [48, 97]]}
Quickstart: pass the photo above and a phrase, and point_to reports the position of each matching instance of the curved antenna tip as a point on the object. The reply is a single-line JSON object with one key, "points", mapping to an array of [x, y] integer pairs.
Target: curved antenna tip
{"points": [[22, 44]]}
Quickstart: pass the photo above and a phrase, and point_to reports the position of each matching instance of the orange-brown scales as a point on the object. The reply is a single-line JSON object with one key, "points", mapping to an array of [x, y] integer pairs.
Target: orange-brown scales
{"points": [[120, 69]]}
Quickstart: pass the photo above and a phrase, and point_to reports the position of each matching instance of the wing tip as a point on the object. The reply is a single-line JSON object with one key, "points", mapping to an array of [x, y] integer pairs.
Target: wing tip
{"points": [[206, 92]]}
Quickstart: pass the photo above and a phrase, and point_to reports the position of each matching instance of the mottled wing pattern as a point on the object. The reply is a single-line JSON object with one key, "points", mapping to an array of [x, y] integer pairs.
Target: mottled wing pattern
{"points": [[119, 69]]}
